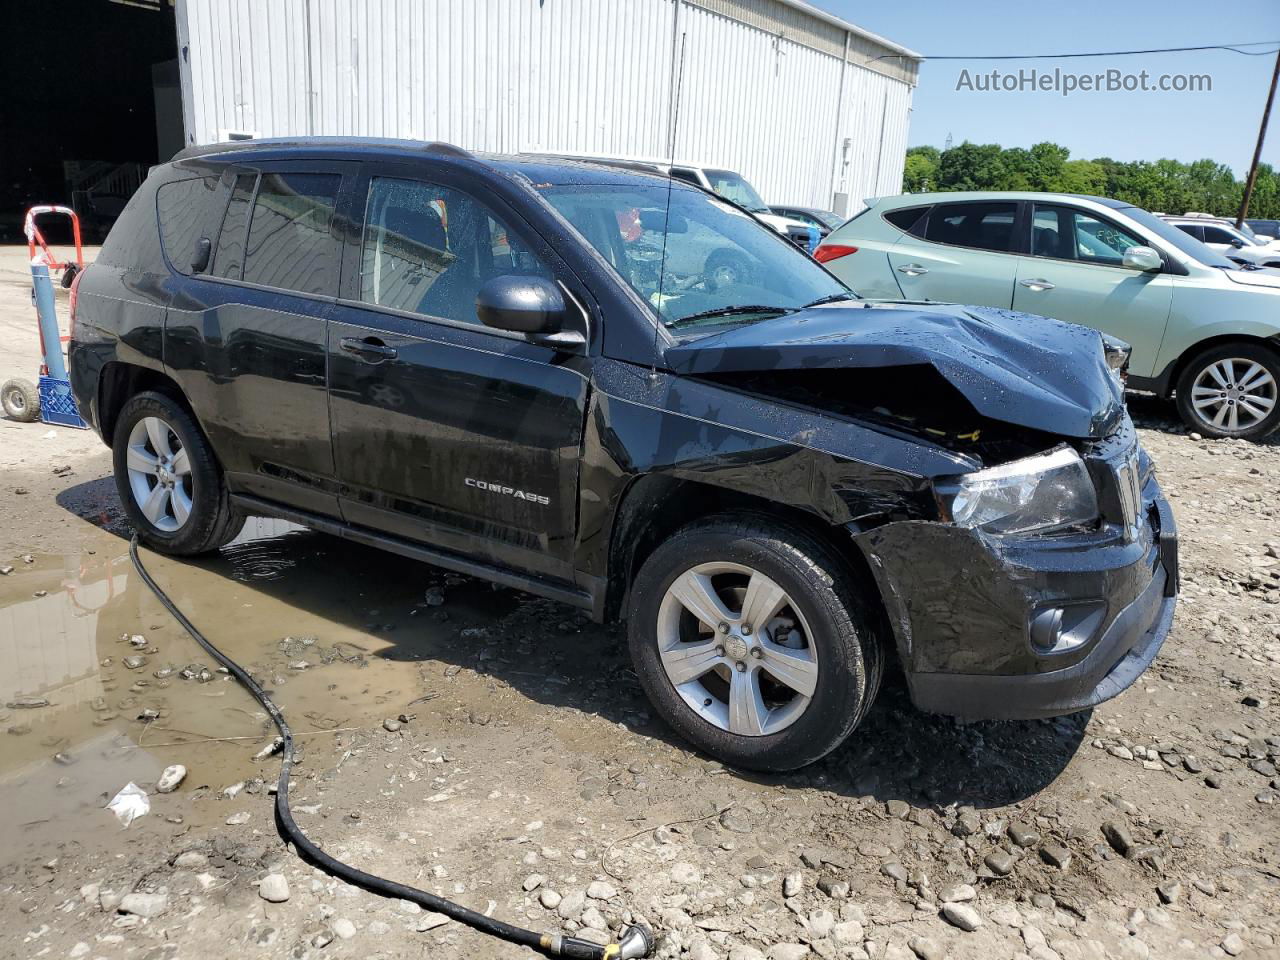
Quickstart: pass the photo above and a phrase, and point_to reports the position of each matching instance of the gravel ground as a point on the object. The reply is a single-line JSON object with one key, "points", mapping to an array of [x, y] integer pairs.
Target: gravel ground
{"points": [[495, 748]]}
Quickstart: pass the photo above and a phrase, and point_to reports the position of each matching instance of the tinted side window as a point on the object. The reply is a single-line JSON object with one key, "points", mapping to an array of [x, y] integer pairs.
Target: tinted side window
{"points": [[688, 176], [910, 219], [1070, 234], [228, 260], [428, 249], [985, 225], [292, 243], [1192, 229], [187, 210], [134, 240], [1214, 234]]}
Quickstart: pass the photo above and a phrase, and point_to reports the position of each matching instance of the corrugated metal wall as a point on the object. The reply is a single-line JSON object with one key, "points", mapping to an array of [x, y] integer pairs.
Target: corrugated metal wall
{"points": [[578, 76]]}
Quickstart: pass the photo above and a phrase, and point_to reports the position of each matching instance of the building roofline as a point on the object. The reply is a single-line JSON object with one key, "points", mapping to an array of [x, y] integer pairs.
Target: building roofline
{"points": [[832, 19]]}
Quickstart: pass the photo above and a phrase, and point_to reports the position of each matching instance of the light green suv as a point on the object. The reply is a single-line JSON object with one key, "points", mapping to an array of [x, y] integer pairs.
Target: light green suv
{"points": [[1202, 328]]}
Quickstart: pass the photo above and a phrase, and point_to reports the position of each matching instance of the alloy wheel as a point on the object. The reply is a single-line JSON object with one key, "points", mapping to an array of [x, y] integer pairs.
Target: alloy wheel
{"points": [[1234, 394], [159, 474], [736, 649]]}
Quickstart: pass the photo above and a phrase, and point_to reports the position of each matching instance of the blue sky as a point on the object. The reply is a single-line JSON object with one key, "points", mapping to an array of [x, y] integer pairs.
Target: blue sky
{"points": [[1221, 124]]}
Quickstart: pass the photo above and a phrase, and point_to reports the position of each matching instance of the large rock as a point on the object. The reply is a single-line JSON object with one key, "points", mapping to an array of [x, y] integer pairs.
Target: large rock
{"points": [[274, 888], [144, 904], [962, 915]]}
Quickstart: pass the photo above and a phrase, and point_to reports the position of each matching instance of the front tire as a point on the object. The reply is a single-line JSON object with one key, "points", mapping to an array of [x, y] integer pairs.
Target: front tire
{"points": [[1232, 391], [772, 695], [169, 481]]}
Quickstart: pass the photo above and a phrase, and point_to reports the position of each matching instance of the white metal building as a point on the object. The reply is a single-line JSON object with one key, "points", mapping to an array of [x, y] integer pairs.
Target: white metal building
{"points": [[809, 108]]}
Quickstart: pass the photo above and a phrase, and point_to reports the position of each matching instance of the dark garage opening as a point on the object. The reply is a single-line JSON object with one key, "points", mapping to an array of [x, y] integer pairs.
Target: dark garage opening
{"points": [[92, 100]]}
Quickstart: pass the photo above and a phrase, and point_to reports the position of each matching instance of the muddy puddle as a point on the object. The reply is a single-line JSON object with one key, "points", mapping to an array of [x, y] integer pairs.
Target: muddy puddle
{"points": [[100, 686]]}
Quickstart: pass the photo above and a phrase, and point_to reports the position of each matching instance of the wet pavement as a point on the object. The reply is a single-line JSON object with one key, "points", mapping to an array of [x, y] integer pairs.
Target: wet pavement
{"points": [[103, 686]]}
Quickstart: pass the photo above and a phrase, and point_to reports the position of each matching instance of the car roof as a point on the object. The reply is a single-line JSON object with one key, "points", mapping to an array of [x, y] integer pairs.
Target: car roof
{"points": [[538, 168], [955, 196]]}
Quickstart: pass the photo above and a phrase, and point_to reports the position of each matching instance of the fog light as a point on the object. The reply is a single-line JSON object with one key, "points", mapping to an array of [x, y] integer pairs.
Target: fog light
{"points": [[1060, 629]]}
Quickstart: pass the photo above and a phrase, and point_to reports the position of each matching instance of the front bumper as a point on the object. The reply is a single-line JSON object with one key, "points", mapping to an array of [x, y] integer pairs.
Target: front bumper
{"points": [[962, 603]]}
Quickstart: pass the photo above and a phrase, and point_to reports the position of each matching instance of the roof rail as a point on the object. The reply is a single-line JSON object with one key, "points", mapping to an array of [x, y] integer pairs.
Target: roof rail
{"points": [[447, 149]]}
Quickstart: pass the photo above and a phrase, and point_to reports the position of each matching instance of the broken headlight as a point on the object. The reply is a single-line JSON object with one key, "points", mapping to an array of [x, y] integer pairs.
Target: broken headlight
{"points": [[1040, 494], [1116, 352]]}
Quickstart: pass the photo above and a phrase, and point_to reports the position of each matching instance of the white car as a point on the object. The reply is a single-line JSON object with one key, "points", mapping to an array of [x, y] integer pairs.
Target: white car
{"points": [[1232, 243], [732, 186]]}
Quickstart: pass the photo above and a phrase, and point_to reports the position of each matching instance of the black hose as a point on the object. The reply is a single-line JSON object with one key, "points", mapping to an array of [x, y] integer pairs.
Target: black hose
{"points": [[635, 942]]}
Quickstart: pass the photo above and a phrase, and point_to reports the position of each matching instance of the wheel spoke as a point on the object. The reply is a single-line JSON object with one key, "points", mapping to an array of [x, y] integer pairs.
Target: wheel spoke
{"points": [[1256, 376], [181, 465], [158, 434], [1259, 407], [181, 504], [153, 508], [1233, 417], [1221, 416], [747, 712], [793, 668], [698, 596], [762, 601], [686, 662], [1218, 372], [137, 458], [1207, 402]]}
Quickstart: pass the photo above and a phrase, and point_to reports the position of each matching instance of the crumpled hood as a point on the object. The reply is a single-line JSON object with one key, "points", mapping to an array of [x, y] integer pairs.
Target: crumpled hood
{"points": [[1015, 367]]}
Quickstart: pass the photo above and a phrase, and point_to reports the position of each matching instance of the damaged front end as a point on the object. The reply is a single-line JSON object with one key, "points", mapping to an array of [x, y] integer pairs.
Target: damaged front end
{"points": [[1044, 579]]}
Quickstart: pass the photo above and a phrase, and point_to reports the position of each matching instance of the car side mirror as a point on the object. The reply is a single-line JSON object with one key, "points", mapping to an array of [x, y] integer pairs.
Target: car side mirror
{"points": [[200, 258], [1142, 258], [1237, 242], [522, 304]]}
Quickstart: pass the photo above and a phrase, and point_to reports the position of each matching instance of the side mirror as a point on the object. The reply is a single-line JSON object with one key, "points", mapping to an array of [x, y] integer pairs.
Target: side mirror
{"points": [[1237, 242], [1142, 258], [523, 304], [200, 258]]}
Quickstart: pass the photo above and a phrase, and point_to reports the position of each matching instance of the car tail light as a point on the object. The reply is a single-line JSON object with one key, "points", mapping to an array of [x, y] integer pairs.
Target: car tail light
{"points": [[832, 251], [74, 300]]}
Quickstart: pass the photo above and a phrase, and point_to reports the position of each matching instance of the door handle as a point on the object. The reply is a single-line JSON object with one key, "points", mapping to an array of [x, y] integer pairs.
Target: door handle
{"points": [[912, 269], [1036, 284], [370, 348]]}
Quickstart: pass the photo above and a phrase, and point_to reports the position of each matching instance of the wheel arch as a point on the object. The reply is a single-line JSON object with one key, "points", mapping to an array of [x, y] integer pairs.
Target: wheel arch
{"points": [[1167, 381], [119, 381], [655, 506]]}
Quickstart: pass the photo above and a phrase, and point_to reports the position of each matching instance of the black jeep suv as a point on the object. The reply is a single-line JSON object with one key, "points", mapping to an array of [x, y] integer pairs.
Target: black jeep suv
{"points": [[525, 370]]}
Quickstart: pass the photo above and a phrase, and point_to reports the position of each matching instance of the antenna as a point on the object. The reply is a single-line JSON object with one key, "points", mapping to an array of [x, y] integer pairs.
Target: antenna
{"points": [[666, 215]]}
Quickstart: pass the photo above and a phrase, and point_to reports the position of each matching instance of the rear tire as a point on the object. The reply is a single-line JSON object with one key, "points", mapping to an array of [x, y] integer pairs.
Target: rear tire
{"points": [[830, 645], [169, 481], [1208, 391], [21, 400]]}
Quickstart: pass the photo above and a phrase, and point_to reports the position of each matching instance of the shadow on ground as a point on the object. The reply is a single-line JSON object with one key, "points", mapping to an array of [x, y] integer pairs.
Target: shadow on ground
{"points": [[553, 655]]}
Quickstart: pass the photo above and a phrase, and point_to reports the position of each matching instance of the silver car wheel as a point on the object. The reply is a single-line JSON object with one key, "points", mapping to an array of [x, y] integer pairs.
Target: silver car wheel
{"points": [[159, 474], [1234, 395], [736, 649]]}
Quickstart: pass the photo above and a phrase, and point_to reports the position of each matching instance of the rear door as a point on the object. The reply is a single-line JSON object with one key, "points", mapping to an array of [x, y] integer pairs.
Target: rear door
{"points": [[1073, 272], [963, 252], [445, 431], [245, 337]]}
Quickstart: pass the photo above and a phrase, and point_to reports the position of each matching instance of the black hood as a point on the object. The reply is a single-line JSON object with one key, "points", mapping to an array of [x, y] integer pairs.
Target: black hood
{"points": [[1014, 367]]}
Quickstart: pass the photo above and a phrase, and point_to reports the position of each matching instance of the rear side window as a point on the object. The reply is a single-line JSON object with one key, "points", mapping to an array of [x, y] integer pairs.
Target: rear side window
{"points": [[983, 225], [134, 240], [1192, 229], [909, 219], [1214, 234], [228, 261], [187, 210], [292, 243]]}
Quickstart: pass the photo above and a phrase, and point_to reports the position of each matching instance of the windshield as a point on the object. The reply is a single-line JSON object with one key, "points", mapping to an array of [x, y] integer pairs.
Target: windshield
{"points": [[722, 266], [1183, 242], [732, 187]]}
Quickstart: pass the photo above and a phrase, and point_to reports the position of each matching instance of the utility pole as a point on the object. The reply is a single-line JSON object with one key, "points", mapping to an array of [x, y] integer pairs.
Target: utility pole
{"points": [[1257, 151]]}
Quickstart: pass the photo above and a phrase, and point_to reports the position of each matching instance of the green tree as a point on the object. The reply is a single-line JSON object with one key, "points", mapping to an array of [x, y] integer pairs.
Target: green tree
{"points": [[921, 171]]}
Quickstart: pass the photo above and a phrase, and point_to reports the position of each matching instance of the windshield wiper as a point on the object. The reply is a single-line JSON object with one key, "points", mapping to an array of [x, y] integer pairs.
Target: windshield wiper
{"points": [[832, 298], [728, 312]]}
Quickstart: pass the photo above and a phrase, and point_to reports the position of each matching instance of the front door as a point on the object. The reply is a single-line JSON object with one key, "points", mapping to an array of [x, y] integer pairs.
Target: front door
{"points": [[246, 337], [1074, 273], [445, 431]]}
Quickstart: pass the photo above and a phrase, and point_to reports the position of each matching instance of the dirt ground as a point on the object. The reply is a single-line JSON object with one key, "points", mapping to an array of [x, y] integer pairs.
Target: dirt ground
{"points": [[495, 748]]}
